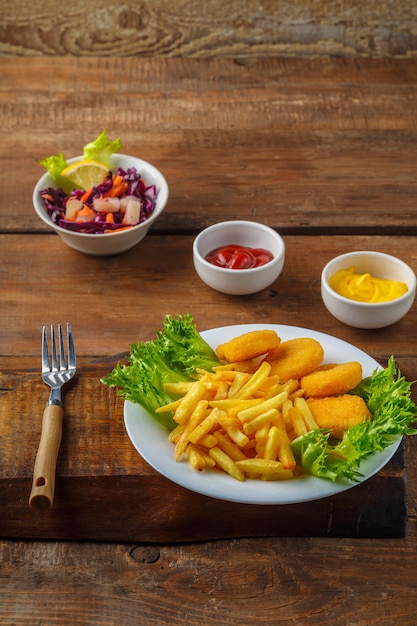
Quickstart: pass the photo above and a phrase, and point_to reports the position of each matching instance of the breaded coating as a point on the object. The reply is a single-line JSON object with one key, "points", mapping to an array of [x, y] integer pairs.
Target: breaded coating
{"points": [[295, 358], [248, 346], [338, 413], [334, 380]]}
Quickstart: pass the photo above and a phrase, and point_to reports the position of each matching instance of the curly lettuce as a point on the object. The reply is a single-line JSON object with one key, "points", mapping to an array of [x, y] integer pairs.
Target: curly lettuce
{"points": [[387, 395], [173, 356], [101, 149]]}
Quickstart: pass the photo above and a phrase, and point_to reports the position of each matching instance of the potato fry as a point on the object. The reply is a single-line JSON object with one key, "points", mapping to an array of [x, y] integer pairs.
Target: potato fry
{"points": [[205, 426], [229, 447], [254, 382], [286, 406], [264, 419], [222, 391], [239, 380], [259, 466], [175, 433], [285, 453], [284, 474], [196, 458], [250, 413], [171, 406], [196, 392], [226, 463], [261, 437], [232, 405], [196, 418], [208, 441], [301, 405], [179, 389], [297, 422], [272, 443], [233, 428]]}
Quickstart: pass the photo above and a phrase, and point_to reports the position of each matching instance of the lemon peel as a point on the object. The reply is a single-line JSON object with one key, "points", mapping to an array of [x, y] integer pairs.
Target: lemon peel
{"points": [[86, 174]]}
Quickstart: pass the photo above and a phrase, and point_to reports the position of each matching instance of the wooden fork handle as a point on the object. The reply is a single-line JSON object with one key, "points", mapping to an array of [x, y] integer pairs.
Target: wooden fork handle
{"points": [[43, 486]]}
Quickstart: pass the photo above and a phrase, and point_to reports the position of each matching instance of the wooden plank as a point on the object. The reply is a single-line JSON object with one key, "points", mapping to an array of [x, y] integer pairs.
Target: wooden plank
{"points": [[335, 138], [149, 508], [154, 279], [157, 27], [233, 582]]}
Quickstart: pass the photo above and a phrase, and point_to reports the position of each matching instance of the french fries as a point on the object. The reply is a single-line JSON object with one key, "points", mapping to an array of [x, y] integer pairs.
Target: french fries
{"points": [[239, 418], [233, 421]]}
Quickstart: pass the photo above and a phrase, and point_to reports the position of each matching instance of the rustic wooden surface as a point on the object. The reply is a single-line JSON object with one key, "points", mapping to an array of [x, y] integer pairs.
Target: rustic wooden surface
{"points": [[238, 28], [323, 150]]}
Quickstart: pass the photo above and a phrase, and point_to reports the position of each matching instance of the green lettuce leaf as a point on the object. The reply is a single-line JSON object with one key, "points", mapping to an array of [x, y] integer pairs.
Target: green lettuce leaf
{"points": [[173, 356], [101, 149], [55, 165], [387, 395]]}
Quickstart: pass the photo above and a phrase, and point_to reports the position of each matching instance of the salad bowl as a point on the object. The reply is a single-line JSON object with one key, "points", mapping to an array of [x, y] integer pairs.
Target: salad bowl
{"points": [[115, 242]]}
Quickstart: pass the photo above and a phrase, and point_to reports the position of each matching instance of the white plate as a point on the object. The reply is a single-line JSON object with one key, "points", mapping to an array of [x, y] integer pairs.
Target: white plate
{"points": [[150, 438]]}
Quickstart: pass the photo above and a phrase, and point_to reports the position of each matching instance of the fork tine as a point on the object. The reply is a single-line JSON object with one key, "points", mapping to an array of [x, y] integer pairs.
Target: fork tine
{"points": [[62, 361], [71, 349], [54, 367], [45, 352]]}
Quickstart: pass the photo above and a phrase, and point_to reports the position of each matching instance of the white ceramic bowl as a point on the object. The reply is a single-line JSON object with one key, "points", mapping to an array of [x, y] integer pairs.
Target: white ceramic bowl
{"points": [[244, 233], [362, 314], [112, 243]]}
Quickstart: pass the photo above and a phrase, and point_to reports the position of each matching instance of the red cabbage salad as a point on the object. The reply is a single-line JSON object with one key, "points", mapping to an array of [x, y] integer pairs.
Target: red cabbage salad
{"points": [[122, 200]]}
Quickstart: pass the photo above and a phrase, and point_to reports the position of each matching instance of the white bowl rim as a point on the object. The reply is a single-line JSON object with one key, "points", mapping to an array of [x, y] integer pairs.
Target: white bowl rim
{"points": [[228, 271], [45, 217], [368, 305]]}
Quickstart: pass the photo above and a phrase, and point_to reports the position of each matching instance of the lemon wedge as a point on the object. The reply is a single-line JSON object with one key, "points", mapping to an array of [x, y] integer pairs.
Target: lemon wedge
{"points": [[86, 174]]}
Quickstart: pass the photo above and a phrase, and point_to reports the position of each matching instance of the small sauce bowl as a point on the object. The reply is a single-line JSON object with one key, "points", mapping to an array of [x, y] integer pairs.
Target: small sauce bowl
{"points": [[244, 233], [364, 314]]}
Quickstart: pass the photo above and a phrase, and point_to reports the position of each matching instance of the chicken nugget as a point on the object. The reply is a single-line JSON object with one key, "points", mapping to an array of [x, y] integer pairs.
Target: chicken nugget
{"points": [[248, 346], [338, 413], [295, 358], [334, 380]]}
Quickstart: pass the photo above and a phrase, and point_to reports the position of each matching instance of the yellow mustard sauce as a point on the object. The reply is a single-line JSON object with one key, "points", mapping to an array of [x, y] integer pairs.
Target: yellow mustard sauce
{"points": [[366, 288]]}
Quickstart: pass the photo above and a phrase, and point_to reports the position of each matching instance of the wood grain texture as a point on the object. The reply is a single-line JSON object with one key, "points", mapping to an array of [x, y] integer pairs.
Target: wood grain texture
{"points": [[234, 582], [113, 301], [98, 466], [324, 150], [335, 138], [239, 28]]}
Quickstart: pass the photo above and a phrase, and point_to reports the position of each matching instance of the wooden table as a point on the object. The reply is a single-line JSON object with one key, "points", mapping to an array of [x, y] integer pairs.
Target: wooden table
{"points": [[322, 150]]}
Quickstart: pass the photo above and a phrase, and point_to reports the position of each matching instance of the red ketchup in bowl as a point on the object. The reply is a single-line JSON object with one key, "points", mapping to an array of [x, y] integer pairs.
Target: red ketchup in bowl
{"points": [[235, 257]]}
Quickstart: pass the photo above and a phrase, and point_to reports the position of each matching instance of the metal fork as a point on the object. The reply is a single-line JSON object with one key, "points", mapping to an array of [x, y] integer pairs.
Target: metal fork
{"points": [[55, 373]]}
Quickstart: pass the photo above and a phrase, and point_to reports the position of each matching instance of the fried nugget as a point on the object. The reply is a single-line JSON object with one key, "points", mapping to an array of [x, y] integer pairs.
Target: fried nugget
{"points": [[248, 346], [295, 358], [338, 413], [332, 380]]}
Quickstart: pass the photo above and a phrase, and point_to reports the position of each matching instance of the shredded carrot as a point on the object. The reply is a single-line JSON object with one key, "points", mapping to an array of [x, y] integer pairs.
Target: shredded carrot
{"points": [[85, 195], [118, 187], [117, 180], [110, 218]]}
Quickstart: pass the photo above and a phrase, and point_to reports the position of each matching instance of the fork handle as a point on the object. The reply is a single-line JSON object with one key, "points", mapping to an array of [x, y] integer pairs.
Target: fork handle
{"points": [[43, 486]]}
